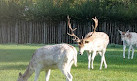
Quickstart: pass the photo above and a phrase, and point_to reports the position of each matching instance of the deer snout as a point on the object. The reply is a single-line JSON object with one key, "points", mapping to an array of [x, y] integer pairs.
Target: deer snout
{"points": [[81, 50], [80, 53]]}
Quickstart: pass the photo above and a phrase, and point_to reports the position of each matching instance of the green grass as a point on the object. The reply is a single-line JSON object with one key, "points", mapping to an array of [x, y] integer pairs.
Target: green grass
{"points": [[15, 58]]}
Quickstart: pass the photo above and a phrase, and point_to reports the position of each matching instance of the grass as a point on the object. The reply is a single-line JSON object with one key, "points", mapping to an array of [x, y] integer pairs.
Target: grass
{"points": [[15, 58]]}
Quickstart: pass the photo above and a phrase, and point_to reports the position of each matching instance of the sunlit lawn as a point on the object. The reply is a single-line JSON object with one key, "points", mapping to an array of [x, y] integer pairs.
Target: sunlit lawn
{"points": [[15, 58]]}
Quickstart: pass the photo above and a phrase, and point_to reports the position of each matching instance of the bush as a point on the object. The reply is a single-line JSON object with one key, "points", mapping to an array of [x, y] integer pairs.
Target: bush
{"points": [[78, 9]]}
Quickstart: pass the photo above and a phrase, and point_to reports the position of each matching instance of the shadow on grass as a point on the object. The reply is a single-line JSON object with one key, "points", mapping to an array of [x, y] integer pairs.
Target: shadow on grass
{"points": [[111, 67], [16, 55], [113, 56], [13, 67]]}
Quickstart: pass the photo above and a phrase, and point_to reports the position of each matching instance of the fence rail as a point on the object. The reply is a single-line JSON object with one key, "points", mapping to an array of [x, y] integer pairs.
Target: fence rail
{"points": [[21, 32]]}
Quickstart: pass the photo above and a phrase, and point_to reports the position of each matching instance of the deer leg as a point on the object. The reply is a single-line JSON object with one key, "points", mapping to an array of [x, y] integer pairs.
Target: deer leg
{"points": [[47, 74], [129, 51], [37, 72], [104, 51], [132, 53], [124, 47], [105, 62], [101, 54], [70, 64], [65, 68], [69, 68], [103, 59], [92, 59], [68, 71], [70, 76], [89, 60], [67, 74]]}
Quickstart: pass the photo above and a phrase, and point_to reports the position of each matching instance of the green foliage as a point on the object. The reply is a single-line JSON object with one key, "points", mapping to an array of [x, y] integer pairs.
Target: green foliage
{"points": [[78, 9]]}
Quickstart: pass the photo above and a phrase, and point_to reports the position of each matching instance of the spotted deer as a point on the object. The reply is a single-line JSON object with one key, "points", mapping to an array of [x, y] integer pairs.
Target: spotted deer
{"points": [[60, 56], [129, 39], [94, 42]]}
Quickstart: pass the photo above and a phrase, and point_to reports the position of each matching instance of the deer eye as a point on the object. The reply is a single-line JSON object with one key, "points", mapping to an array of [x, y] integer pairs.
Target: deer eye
{"points": [[79, 43], [86, 41]]}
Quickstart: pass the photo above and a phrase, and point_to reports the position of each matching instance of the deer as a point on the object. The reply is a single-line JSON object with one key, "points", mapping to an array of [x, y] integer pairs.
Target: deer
{"points": [[93, 43], [58, 56], [129, 39]]}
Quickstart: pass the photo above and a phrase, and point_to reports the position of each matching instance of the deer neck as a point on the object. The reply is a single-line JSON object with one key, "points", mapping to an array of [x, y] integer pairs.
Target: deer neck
{"points": [[27, 74]]}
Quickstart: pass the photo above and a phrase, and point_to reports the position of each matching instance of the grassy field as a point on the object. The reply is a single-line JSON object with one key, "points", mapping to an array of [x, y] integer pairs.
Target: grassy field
{"points": [[15, 58]]}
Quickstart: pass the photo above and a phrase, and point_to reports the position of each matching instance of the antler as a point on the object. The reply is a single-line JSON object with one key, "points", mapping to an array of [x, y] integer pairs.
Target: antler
{"points": [[94, 27], [72, 31], [96, 24]]}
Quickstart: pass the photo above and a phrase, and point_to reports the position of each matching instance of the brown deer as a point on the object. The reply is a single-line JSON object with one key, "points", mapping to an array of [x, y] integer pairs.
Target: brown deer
{"points": [[94, 42]]}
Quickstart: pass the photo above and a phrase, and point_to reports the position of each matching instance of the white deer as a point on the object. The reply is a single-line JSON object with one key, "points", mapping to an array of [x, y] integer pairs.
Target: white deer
{"points": [[129, 39], [60, 56], [94, 42]]}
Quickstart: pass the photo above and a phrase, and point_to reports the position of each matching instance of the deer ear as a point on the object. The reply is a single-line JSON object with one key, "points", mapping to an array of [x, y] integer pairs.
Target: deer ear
{"points": [[20, 74], [120, 31], [127, 31], [86, 41]]}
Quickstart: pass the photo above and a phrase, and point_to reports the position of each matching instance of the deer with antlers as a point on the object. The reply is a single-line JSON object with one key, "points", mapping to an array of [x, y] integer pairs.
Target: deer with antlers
{"points": [[94, 42]]}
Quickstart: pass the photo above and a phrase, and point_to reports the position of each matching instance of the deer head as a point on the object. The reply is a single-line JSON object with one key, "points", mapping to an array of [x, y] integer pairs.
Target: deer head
{"points": [[124, 35], [20, 78], [84, 42]]}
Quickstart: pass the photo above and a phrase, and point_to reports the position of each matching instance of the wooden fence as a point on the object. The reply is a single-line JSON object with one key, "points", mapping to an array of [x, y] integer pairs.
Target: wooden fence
{"points": [[21, 32]]}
